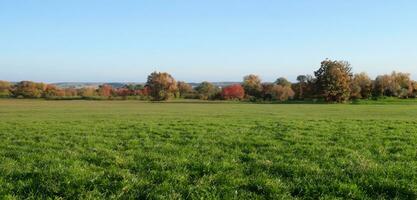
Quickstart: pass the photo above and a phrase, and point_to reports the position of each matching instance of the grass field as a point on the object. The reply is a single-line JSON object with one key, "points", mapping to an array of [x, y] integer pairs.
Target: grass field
{"points": [[139, 150]]}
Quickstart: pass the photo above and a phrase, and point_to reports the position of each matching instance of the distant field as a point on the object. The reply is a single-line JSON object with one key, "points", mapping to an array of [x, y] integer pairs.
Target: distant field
{"points": [[140, 150]]}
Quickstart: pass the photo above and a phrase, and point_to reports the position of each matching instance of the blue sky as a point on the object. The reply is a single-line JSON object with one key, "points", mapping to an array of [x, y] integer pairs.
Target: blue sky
{"points": [[216, 40]]}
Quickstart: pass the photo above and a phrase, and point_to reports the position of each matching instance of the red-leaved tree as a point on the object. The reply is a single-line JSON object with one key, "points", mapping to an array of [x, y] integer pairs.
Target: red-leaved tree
{"points": [[233, 92]]}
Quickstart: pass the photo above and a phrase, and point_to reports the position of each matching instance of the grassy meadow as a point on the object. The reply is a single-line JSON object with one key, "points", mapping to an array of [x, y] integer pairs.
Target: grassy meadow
{"points": [[206, 150]]}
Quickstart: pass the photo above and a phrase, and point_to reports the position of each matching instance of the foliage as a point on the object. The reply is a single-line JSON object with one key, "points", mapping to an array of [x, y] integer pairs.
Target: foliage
{"points": [[28, 89], [105, 90], [87, 92], [53, 91], [5, 88], [161, 85], [282, 93], [233, 92], [283, 82], [184, 88], [252, 85], [273, 92], [333, 80], [396, 84], [302, 80], [122, 92], [206, 90], [361, 86], [133, 87]]}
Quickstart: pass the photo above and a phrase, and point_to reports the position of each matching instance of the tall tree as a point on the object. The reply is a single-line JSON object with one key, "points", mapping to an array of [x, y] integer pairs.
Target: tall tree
{"points": [[333, 80], [162, 86], [380, 85], [252, 85], [301, 84]]}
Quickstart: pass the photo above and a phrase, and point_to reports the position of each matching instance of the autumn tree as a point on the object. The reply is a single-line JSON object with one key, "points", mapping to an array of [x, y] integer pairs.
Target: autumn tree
{"points": [[5, 88], [396, 84], [184, 88], [28, 89], [380, 85], [53, 91], [267, 91], [105, 90], [87, 92], [252, 85], [70, 92], [400, 84], [411, 89], [206, 90], [282, 93], [233, 92], [122, 92], [274, 92], [333, 80], [361, 86], [162, 86]]}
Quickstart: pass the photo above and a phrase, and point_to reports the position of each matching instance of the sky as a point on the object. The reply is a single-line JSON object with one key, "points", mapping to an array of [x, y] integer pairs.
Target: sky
{"points": [[196, 40]]}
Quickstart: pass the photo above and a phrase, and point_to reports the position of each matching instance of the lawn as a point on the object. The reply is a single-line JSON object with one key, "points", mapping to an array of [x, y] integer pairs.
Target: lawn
{"points": [[203, 150]]}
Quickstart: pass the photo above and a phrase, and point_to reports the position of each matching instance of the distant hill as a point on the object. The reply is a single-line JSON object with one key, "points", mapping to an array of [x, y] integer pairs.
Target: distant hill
{"points": [[91, 84], [121, 84], [219, 84]]}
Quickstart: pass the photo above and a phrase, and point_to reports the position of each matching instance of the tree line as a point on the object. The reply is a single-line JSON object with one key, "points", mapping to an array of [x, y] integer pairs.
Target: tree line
{"points": [[332, 82]]}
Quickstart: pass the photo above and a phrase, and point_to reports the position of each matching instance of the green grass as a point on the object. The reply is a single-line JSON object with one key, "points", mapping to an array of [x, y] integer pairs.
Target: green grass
{"points": [[387, 101], [179, 150]]}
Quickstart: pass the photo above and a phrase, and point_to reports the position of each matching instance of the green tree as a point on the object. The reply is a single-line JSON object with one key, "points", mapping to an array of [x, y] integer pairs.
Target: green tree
{"points": [[206, 90], [162, 86], [333, 80]]}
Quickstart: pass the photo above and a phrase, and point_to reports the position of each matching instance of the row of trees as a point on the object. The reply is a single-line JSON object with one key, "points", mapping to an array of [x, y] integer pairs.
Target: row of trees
{"points": [[332, 82], [29, 89]]}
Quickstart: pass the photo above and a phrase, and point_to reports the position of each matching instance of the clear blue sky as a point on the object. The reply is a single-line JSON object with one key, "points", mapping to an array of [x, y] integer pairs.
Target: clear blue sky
{"points": [[214, 40]]}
